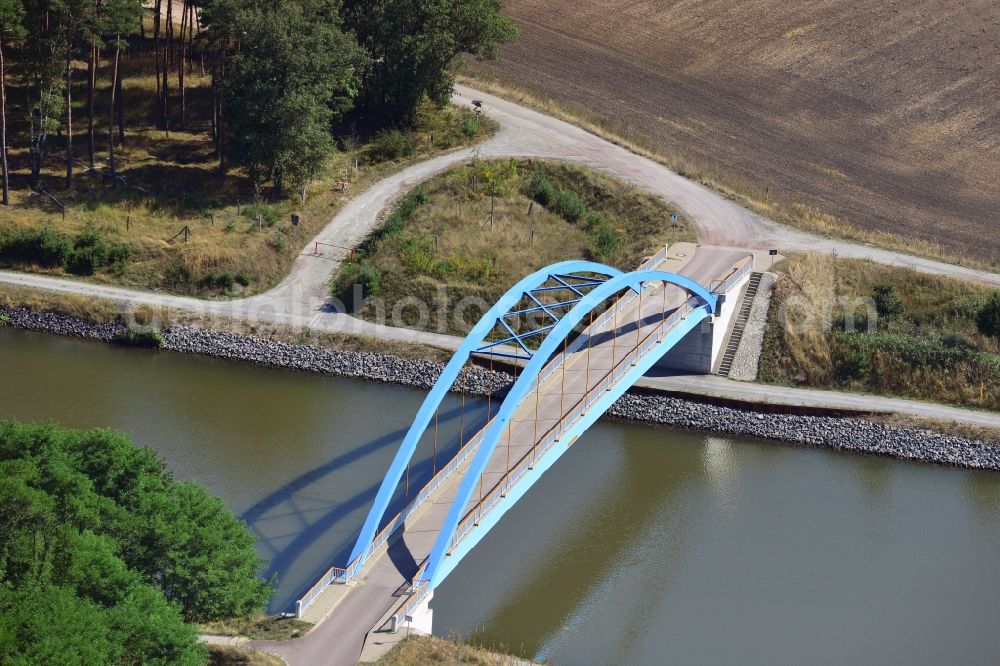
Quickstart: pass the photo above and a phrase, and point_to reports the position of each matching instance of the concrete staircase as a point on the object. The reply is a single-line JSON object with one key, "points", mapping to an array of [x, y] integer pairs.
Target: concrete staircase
{"points": [[739, 325]]}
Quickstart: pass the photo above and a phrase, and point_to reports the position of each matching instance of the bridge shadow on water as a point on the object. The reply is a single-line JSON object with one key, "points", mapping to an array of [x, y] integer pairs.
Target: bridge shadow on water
{"points": [[311, 522]]}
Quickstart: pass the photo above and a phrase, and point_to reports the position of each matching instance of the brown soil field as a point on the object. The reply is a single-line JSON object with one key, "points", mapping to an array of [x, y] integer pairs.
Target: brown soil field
{"points": [[883, 114]]}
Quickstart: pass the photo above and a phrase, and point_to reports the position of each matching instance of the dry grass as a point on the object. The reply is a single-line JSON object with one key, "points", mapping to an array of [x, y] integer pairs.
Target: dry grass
{"points": [[423, 650], [796, 214], [85, 307], [263, 627], [103, 310], [226, 252], [932, 350], [450, 250], [231, 655]]}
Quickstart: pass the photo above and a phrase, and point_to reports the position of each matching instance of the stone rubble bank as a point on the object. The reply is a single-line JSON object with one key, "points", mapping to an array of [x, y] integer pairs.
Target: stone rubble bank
{"points": [[856, 435]]}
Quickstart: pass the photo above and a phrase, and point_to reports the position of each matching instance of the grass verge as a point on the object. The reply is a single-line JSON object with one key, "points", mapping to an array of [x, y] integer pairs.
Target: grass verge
{"points": [[422, 650], [798, 215], [268, 628], [231, 655], [913, 335], [457, 242]]}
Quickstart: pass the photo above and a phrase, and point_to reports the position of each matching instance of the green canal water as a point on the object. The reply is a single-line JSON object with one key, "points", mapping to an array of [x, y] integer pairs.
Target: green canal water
{"points": [[641, 546]]}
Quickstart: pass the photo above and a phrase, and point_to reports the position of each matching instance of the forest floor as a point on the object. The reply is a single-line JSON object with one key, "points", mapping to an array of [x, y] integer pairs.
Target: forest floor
{"points": [[189, 228], [875, 122]]}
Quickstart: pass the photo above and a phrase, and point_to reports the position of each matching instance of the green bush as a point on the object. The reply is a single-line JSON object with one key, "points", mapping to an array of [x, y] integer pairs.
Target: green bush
{"points": [[988, 317], [469, 126], [391, 145], [267, 213], [82, 255], [564, 204], [142, 336], [603, 241], [541, 189], [218, 280], [887, 300], [370, 281], [569, 207]]}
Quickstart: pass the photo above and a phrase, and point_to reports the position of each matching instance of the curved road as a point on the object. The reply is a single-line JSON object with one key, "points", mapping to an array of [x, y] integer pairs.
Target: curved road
{"points": [[301, 298]]}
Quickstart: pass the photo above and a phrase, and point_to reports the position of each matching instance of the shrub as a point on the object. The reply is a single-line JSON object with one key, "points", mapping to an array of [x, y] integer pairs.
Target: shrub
{"points": [[469, 126], [278, 242], [988, 317], [267, 213], [569, 207], [218, 280], [603, 241], [44, 247], [142, 336], [887, 300], [391, 145], [370, 281], [541, 189]]}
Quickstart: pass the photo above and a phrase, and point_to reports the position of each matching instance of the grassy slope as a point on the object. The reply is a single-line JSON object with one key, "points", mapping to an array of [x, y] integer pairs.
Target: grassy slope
{"points": [[422, 650], [230, 655], [930, 351], [449, 244], [180, 171], [880, 115]]}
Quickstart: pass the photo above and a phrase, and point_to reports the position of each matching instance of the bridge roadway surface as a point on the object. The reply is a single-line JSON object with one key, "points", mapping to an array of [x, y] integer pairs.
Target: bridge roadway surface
{"points": [[340, 637]]}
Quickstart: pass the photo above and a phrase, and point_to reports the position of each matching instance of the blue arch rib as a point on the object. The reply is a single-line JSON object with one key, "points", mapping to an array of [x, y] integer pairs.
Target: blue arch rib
{"points": [[440, 389], [520, 388]]}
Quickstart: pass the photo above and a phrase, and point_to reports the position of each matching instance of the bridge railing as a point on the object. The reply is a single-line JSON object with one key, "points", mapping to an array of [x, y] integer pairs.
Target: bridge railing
{"points": [[577, 410], [341, 575], [723, 285]]}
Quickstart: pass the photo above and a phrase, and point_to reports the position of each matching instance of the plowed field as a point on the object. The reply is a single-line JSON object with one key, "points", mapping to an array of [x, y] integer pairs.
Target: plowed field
{"points": [[885, 114]]}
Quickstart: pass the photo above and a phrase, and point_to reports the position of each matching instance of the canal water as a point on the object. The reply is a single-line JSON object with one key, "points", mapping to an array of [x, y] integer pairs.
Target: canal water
{"points": [[641, 546]]}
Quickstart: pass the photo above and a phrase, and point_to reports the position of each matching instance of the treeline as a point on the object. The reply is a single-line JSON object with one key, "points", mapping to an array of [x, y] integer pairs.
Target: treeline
{"points": [[282, 73], [106, 559]]}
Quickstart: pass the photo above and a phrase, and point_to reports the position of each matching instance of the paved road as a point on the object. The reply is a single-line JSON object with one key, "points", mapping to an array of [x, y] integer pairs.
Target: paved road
{"points": [[301, 298]]}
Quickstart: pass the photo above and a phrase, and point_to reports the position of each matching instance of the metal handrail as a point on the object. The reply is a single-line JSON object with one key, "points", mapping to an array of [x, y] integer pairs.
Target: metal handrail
{"points": [[341, 575], [486, 503]]}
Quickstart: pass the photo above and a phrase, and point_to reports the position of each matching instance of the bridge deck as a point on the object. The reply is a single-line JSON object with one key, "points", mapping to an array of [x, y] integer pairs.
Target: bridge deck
{"points": [[386, 577]]}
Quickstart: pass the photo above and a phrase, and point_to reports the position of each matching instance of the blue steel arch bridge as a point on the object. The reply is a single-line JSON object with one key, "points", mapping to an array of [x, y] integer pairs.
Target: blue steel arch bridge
{"points": [[579, 334]]}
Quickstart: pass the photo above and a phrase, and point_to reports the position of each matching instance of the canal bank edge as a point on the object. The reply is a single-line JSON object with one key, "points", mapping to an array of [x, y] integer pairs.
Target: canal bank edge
{"points": [[836, 432]]}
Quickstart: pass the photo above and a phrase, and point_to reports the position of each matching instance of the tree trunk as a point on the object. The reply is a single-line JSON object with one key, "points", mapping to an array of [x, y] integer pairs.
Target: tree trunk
{"points": [[119, 100], [91, 83], [3, 129], [156, 43], [69, 118], [181, 52], [115, 90], [167, 60]]}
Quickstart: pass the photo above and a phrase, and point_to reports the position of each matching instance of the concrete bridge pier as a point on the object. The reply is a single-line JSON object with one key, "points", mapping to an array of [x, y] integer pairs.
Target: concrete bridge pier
{"points": [[700, 351], [422, 618]]}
